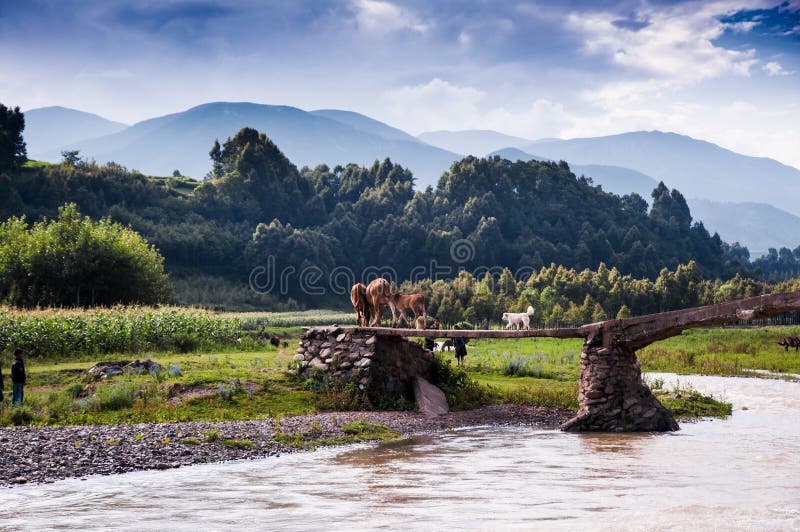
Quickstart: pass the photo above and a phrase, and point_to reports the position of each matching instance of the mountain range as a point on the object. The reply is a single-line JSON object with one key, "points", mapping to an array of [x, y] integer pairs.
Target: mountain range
{"points": [[181, 141], [747, 199]]}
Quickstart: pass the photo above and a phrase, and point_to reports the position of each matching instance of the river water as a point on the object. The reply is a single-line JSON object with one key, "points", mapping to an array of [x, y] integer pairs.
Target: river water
{"points": [[742, 473]]}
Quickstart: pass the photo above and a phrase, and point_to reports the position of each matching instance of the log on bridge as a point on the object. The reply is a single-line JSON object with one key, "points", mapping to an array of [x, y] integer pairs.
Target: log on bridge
{"points": [[612, 397]]}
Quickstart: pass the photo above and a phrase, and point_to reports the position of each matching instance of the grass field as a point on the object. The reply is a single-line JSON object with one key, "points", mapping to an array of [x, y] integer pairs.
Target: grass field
{"points": [[723, 351]]}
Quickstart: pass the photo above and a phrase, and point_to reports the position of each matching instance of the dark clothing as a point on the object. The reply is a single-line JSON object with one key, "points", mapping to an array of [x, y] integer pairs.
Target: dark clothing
{"points": [[461, 348], [17, 381], [18, 371], [429, 342]]}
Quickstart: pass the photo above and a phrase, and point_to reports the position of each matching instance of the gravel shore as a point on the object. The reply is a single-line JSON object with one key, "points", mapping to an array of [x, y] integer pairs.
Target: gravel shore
{"points": [[47, 454]]}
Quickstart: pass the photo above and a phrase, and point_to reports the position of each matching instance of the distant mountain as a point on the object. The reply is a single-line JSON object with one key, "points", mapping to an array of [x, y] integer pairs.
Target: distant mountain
{"points": [[697, 168], [477, 142], [181, 141], [755, 225], [366, 124], [614, 179], [48, 128]]}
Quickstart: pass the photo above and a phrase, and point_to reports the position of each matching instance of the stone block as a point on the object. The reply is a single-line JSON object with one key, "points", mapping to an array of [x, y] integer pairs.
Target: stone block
{"points": [[431, 401]]}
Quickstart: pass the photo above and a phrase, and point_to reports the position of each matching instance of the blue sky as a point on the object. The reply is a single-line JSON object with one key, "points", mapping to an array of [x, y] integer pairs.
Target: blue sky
{"points": [[725, 71]]}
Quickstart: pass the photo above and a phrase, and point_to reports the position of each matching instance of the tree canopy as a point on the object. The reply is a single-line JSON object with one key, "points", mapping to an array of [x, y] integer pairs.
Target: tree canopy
{"points": [[73, 261]]}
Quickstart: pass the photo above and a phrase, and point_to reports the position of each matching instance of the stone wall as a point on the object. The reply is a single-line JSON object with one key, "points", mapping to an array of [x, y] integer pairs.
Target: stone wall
{"points": [[384, 363], [611, 395]]}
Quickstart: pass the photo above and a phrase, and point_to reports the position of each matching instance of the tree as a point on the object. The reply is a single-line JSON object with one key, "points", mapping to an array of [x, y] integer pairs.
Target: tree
{"points": [[70, 157], [12, 146], [75, 261]]}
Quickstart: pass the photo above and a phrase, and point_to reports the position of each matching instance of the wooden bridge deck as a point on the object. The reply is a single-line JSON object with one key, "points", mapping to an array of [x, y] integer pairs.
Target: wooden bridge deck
{"points": [[576, 332]]}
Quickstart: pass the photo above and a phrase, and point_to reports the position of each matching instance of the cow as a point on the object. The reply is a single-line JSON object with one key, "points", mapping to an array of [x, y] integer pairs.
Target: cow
{"points": [[379, 294], [414, 303], [358, 296], [446, 345], [790, 341], [275, 341]]}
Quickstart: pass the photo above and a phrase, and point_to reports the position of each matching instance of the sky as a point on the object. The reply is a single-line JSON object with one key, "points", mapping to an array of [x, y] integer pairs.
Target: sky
{"points": [[725, 71]]}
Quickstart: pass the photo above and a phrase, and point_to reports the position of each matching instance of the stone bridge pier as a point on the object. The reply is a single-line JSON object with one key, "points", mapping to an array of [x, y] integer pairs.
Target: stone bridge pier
{"points": [[380, 365], [611, 395]]}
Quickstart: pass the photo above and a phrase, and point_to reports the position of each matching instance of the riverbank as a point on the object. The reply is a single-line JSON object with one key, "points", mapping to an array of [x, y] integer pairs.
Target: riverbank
{"points": [[47, 454]]}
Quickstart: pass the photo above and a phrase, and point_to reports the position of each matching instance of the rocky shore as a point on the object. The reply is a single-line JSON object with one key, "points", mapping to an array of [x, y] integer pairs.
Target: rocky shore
{"points": [[47, 454]]}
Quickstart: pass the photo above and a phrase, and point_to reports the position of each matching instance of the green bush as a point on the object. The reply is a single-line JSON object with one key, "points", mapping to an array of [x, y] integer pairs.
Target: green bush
{"points": [[74, 390], [121, 395], [21, 415], [212, 435], [77, 262], [462, 392]]}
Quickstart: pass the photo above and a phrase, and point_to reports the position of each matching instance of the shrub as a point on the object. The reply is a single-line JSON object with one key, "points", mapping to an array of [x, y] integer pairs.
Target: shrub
{"points": [[462, 392], [212, 435], [74, 390], [21, 415], [174, 370], [121, 395]]}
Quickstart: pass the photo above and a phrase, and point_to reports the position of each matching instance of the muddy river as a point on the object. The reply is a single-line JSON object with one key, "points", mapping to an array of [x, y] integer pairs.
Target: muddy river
{"points": [[739, 473]]}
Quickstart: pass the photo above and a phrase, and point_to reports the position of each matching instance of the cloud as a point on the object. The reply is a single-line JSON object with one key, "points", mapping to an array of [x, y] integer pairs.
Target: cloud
{"points": [[440, 104], [677, 48], [743, 26], [773, 68], [377, 16], [677, 44], [430, 105]]}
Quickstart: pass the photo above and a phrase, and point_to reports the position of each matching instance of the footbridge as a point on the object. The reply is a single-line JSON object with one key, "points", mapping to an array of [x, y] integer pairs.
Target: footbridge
{"points": [[612, 397]]}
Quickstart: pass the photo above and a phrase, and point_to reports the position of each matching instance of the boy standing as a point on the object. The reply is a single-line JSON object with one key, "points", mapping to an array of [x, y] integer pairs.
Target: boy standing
{"points": [[17, 378]]}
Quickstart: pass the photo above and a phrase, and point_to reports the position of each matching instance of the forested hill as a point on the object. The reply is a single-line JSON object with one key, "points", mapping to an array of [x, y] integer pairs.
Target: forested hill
{"points": [[258, 205]]}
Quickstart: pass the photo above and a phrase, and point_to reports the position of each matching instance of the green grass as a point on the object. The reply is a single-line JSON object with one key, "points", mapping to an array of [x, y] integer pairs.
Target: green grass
{"points": [[530, 391], [527, 357], [257, 382], [687, 403], [723, 351], [30, 163]]}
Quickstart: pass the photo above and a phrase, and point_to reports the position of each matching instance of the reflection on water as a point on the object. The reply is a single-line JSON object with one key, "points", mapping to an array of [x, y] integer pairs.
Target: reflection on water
{"points": [[741, 473]]}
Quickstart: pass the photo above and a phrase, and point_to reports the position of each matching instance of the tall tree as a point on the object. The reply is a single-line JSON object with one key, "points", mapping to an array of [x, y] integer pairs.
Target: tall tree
{"points": [[12, 146]]}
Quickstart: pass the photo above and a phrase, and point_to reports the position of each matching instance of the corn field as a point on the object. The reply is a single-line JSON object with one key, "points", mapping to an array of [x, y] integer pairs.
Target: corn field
{"points": [[63, 333]]}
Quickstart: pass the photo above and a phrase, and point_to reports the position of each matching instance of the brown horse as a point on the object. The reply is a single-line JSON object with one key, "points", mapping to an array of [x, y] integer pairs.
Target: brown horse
{"points": [[379, 294], [414, 303], [358, 296], [790, 341]]}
